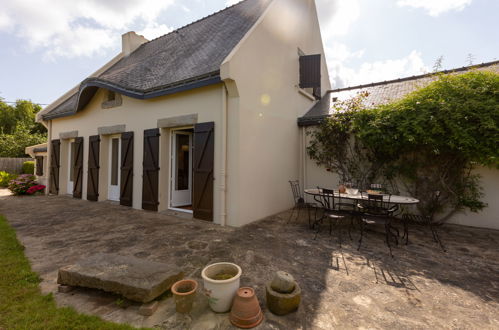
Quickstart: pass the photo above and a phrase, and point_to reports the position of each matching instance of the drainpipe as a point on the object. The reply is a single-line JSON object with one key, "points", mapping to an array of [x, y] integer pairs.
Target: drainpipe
{"points": [[223, 168], [49, 153]]}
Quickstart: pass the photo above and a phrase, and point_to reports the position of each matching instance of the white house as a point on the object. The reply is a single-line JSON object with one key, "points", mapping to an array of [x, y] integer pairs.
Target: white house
{"points": [[200, 120]]}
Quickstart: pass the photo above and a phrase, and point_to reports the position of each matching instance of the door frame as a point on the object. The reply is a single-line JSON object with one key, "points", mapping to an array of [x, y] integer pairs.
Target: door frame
{"points": [[110, 166], [172, 166], [69, 179]]}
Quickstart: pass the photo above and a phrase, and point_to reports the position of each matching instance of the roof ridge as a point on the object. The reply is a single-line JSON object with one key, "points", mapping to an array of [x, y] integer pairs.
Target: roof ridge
{"points": [[464, 68], [196, 21]]}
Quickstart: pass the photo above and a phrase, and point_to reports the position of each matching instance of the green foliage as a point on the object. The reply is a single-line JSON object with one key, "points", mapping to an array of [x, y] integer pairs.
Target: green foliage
{"points": [[430, 140], [13, 145], [5, 178], [22, 305], [29, 167], [18, 128]]}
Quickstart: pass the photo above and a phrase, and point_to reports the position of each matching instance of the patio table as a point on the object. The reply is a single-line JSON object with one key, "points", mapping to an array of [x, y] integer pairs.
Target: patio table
{"points": [[392, 199]]}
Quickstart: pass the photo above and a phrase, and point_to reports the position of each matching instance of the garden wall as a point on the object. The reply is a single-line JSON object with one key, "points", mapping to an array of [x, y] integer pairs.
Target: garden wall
{"points": [[12, 165], [488, 218]]}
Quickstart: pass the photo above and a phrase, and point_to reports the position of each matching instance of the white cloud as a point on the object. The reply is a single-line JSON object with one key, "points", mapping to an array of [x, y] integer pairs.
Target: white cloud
{"points": [[436, 7], [231, 2], [336, 16], [342, 75], [79, 27], [154, 30]]}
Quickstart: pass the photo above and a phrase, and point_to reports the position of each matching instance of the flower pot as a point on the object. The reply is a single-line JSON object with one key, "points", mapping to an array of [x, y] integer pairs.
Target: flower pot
{"points": [[221, 281], [185, 293], [246, 312]]}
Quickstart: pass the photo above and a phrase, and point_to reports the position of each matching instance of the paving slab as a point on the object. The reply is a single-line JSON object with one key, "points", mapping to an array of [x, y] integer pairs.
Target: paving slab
{"points": [[422, 287], [134, 278]]}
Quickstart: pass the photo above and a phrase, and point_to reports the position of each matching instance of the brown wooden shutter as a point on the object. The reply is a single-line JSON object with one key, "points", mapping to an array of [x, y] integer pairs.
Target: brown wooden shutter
{"points": [[93, 168], [310, 71], [78, 168], [39, 165], [126, 183], [55, 165], [204, 156], [150, 165]]}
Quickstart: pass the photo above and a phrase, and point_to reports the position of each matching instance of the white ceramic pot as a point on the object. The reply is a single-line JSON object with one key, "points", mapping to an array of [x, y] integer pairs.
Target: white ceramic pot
{"points": [[220, 293]]}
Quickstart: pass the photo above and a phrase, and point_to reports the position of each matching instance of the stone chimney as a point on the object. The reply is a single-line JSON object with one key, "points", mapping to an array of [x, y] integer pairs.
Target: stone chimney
{"points": [[131, 41]]}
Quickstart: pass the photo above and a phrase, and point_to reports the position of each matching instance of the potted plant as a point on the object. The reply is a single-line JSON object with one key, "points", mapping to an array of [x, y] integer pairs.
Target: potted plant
{"points": [[184, 292], [221, 282]]}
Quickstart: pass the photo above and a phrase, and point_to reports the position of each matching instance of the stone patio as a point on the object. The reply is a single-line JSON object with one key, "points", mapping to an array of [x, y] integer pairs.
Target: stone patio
{"points": [[421, 287]]}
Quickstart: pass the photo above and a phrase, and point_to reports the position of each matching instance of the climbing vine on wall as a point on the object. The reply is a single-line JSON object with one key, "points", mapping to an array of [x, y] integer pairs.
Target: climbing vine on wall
{"points": [[429, 141]]}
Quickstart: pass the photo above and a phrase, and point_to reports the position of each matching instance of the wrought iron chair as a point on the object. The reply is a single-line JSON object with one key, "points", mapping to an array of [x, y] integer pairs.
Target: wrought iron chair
{"points": [[378, 210], [300, 202], [335, 210], [416, 219]]}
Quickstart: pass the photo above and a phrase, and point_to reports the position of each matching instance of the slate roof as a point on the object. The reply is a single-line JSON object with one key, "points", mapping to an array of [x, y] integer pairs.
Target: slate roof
{"points": [[188, 56], [380, 92]]}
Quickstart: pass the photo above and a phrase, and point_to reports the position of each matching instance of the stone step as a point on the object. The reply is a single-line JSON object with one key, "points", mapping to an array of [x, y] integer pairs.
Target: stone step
{"points": [[133, 278]]}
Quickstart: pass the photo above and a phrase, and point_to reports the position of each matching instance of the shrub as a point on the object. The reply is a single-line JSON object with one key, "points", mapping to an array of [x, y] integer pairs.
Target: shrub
{"points": [[22, 184], [29, 167], [5, 178]]}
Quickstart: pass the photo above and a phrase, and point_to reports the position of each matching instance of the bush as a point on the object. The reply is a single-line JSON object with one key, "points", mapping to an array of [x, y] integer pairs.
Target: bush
{"points": [[29, 167], [22, 184], [5, 178]]}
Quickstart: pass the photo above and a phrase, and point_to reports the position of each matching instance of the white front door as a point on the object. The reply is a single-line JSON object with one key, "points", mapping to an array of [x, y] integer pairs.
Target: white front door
{"points": [[114, 169], [181, 175], [71, 170]]}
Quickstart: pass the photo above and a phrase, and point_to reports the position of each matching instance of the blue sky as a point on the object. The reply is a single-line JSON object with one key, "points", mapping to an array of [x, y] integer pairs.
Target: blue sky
{"points": [[49, 46]]}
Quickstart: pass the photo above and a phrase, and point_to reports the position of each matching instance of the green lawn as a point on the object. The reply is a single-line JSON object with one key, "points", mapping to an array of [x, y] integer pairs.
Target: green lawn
{"points": [[22, 306]]}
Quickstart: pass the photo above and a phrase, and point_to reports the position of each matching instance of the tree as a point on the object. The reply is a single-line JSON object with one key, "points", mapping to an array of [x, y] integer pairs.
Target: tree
{"points": [[18, 128]]}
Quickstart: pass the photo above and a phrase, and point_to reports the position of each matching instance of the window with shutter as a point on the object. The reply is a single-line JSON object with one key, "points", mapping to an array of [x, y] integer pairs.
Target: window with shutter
{"points": [[310, 73], [39, 165]]}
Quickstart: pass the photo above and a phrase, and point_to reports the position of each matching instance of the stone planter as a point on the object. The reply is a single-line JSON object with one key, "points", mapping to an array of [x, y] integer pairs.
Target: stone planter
{"points": [[283, 294], [221, 291], [185, 293]]}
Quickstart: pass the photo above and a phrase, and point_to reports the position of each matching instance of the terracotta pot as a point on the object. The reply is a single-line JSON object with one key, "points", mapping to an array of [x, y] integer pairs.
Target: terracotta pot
{"points": [[221, 290], [185, 293], [246, 312], [342, 189]]}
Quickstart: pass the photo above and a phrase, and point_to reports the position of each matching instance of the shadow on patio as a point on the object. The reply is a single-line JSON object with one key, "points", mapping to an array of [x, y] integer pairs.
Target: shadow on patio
{"points": [[420, 287]]}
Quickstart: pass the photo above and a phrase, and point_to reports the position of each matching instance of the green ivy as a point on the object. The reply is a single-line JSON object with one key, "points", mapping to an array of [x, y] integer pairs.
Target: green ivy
{"points": [[428, 141]]}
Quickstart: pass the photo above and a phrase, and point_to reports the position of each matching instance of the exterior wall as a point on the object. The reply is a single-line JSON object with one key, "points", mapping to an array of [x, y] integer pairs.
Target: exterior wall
{"points": [[487, 218], [263, 139], [138, 115]]}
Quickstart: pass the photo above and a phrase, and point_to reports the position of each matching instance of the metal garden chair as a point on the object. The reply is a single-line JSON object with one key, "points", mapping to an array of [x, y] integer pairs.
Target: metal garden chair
{"points": [[416, 219], [335, 210], [300, 202], [378, 210]]}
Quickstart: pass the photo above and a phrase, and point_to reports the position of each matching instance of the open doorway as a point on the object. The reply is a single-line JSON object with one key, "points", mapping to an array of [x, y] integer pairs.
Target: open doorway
{"points": [[181, 170]]}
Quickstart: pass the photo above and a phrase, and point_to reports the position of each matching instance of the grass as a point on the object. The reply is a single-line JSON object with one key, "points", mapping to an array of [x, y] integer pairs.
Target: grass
{"points": [[22, 306]]}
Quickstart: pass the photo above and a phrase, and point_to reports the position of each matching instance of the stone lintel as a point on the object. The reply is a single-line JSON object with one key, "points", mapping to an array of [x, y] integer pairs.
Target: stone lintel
{"points": [[109, 130], [178, 121], [68, 135]]}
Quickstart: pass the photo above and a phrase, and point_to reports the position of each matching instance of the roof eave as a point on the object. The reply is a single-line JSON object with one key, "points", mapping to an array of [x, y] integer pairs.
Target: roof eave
{"points": [[89, 87]]}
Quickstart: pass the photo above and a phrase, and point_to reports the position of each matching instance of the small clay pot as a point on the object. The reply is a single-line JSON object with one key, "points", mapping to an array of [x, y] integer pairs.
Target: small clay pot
{"points": [[184, 292], [342, 189], [246, 312]]}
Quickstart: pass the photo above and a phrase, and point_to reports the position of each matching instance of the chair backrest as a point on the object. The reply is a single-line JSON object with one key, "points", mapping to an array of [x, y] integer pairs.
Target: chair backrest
{"points": [[295, 189], [377, 204], [327, 198]]}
